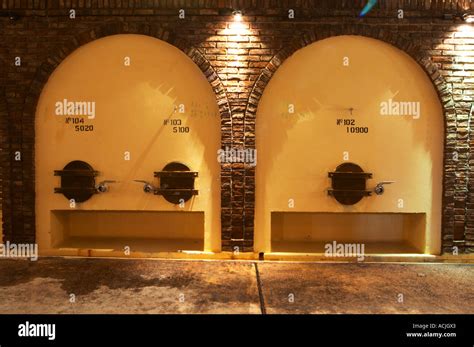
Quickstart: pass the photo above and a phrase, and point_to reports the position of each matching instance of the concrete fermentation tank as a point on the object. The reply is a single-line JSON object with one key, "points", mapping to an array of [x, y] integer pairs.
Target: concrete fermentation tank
{"points": [[337, 118], [127, 134]]}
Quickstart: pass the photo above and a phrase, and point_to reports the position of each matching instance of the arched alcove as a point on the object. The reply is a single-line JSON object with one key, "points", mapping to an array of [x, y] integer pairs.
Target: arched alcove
{"points": [[324, 107], [151, 106]]}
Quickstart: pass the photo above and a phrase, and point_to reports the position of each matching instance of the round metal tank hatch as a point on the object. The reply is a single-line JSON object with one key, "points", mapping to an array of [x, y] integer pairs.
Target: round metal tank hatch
{"points": [[77, 181], [349, 184], [176, 183]]}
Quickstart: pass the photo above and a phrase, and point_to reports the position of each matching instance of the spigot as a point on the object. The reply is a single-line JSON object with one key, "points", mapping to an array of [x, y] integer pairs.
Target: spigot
{"points": [[380, 189], [103, 187], [148, 187]]}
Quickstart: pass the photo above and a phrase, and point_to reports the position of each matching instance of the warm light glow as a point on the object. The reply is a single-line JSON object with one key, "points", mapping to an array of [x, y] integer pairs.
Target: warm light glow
{"points": [[237, 16], [237, 27], [468, 17], [465, 28]]}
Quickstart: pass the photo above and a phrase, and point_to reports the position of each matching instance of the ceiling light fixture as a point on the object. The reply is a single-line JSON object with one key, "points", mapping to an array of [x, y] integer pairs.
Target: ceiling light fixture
{"points": [[237, 15], [468, 17], [10, 15]]}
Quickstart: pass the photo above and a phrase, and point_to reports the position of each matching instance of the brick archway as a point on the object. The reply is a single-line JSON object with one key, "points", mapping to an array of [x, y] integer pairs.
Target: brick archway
{"points": [[23, 200], [455, 189]]}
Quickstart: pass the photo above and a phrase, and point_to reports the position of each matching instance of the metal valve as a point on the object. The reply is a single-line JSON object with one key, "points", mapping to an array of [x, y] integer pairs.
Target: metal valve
{"points": [[380, 189], [103, 187], [148, 187]]}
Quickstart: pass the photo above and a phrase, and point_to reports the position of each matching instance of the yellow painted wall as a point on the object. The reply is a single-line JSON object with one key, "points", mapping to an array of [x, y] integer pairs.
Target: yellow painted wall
{"points": [[296, 151], [131, 104], [310, 231], [149, 224]]}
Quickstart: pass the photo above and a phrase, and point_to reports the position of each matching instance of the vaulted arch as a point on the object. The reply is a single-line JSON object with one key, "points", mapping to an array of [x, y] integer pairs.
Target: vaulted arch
{"points": [[451, 210], [45, 70]]}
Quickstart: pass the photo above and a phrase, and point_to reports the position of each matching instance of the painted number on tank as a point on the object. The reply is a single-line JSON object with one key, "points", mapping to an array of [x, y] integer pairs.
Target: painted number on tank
{"points": [[350, 125], [84, 128], [181, 130], [177, 127], [357, 130]]}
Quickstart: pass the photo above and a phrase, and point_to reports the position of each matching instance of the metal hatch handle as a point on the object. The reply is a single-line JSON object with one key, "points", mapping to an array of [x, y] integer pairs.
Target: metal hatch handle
{"points": [[147, 186], [380, 189], [103, 186]]}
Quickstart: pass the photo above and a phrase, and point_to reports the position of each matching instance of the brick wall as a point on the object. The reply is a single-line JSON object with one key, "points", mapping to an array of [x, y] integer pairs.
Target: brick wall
{"points": [[238, 67], [4, 143]]}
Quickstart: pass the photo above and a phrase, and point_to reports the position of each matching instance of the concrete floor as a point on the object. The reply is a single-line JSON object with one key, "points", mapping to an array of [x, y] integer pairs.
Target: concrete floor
{"points": [[85, 285]]}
